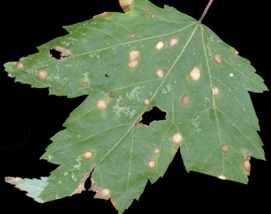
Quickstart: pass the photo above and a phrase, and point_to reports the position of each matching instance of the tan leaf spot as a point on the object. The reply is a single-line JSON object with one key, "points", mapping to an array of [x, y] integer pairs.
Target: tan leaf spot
{"points": [[84, 84], [13, 181], [176, 139], [222, 177], [151, 163], [87, 155], [104, 14], [156, 151], [125, 5], [19, 65], [218, 59], [42, 74], [225, 148], [132, 35], [111, 94], [246, 164], [153, 16], [185, 100], [195, 74], [146, 101], [102, 104], [63, 51], [160, 73], [235, 52], [159, 45], [133, 58], [215, 91], [172, 42], [148, 9]]}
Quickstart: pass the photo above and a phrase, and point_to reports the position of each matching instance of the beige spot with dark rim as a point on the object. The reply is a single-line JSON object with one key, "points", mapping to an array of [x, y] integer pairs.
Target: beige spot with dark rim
{"points": [[104, 14], [125, 5], [84, 84], [156, 151], [87, 155], [159, 45], [160, 73], [19, 65], [195, 74], [235, 52], [225, 148], [133, 58], [172, 42], [176, 140], [146, 101], [222, 177], [148, 9], [152, 163], [153, 16], [215, 91], [185, 100], [133, 35], [246, 164], [218, 59], [111, 94], [102, 104], [42, 74]]}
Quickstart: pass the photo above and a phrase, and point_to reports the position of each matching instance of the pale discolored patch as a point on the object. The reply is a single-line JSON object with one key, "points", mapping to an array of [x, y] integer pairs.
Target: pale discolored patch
{"points": [[246, 164], [104, 14], [235, 52], [100, 192], [13, 181], [215, 91], [152, 163], [84, 84], [195, 74], [176, 140], [156, 151], [88, 155], [225, 148], [146, 101], [153, 16], [113, 202], [222, 177], [160, 73], [42, 74], [63, 52], [19, 65], [133, 58], [125, 5], [172, 42], [159, 45], [185, 100], [133, 35], [111, 94], [102, 104], [218, 59]]}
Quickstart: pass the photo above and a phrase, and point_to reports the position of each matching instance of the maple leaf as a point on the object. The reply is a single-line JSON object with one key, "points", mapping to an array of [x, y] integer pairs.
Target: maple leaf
{"points": [[184, 69]]}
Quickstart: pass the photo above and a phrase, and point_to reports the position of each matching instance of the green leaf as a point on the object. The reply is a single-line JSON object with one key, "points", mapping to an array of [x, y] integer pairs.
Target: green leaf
{"points": [[124, 153]]}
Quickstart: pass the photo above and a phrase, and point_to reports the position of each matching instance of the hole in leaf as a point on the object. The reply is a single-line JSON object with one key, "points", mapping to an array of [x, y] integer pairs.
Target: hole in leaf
{"points": [[155, 114], [87, 183], [106, 75], [55, 54]]}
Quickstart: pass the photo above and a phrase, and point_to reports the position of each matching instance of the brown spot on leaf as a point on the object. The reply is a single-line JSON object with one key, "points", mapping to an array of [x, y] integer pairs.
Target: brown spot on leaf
{"points": [[159, 45], [160, 73], [132, 35], [185, 100], [81, 187], [218, 59], [225, 148], [148, 144], [63, 51], [235, 52], [102, 104], [88, 155], [111, 94], [100, 192], [42, 74], [246, 164], [13, 181], [195, 74], [156, 150], [172, 42], [133, 58], [84, 84], [113, 202], [104, 14], [215, 91], [151, 163], [176, 140], [125, 5], [222, 177], [146, 101], [19, 65], [153, 16], [148, 9], [84, 40]]}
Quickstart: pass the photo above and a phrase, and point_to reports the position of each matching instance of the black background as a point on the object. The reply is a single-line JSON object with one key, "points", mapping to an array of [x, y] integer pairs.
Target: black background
{"points": [[29, 117]]}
